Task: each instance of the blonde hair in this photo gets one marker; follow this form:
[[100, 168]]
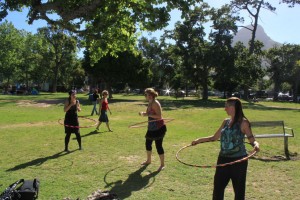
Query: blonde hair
[[151, 92], [104, 92]]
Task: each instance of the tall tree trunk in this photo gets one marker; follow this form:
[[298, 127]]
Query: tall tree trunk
[[54, 85], [252, 42]]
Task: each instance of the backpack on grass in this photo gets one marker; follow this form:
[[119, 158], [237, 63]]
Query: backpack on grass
[[22, 190]]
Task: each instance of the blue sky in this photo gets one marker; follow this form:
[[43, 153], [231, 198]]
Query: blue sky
[[282, 26]]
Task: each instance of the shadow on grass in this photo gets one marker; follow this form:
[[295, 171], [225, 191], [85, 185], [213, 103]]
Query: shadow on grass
[[257, 106], [276, 158], [89, 134], [39, 161], [95, 132], [167, 103], [134, 182]]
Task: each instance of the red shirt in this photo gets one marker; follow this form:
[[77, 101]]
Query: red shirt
[[104, 105]]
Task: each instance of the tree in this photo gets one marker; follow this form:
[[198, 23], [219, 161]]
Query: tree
[[38, 47], [10, 51], [61, 45], [30, 59], [248, 67], [161, 61], [111, 26], [291, 3], [125, 68], [151, 51], [253, 7], [284, 67], [192, 47], [224, 26]]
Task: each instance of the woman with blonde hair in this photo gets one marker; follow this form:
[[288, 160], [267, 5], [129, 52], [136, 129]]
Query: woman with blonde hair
[[156, 127]]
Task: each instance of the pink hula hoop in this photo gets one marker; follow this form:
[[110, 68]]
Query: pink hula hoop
[[145, 123], [253, 152], [61, 123]]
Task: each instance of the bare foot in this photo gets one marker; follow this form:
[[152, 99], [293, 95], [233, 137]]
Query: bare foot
[[160, 168], [146, 163]]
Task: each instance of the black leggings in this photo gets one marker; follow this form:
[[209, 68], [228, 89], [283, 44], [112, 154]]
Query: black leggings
[[236, 172], [158, 145], [67, 139]]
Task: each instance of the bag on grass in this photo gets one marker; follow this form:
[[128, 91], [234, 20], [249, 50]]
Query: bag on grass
[[9, 192], [103, 195], [22, 190], [29, 190], [107, 195]]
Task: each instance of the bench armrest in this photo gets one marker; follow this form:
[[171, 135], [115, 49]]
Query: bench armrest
[[290, 130]]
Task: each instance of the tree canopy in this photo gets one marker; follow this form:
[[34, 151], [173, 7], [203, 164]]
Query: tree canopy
[[109, 26]]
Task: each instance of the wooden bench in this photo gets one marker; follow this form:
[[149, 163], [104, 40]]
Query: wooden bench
[[273, 129]]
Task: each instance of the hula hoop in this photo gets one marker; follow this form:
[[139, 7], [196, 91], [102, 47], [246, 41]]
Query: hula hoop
[[214, 166], [61, 123], [145, 123]]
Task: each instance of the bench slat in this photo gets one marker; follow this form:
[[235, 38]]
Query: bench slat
[[262, 129], [266, 123], [272, 135]]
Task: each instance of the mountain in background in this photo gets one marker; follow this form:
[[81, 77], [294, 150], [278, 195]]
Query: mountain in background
[[244, 35]]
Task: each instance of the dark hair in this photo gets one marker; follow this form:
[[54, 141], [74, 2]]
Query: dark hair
[[72, 92], [239, 114]]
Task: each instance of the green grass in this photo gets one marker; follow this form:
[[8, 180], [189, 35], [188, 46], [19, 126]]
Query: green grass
[[32, 141]]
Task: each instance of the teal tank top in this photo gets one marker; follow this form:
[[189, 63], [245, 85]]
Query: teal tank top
[[232, 141]]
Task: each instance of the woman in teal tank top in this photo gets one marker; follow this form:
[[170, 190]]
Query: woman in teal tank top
[[232, 147]]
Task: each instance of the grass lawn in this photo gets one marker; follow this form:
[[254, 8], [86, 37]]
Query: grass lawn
[[32, 143]]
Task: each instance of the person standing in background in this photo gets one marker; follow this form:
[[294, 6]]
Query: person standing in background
[[95, 101]]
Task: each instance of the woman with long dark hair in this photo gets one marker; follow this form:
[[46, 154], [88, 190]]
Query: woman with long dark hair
[[232, 135], [72, 106]]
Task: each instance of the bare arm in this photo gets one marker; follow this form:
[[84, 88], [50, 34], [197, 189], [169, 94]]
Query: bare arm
[[108, 108], [78, 106], [211, 138], [67, 105], [157, 109], [246, 129]]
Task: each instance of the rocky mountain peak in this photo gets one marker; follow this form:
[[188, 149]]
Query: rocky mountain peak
[[244, 35]]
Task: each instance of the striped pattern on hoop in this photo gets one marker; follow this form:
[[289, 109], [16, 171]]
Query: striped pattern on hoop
[[145, 123], [214, 166], [60, 121]]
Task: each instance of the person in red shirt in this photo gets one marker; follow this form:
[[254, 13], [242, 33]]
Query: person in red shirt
[[103, 108]]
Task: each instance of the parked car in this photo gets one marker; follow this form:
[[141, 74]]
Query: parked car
[[236, 94], [284, 97], [136, 91], [261, 94]]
